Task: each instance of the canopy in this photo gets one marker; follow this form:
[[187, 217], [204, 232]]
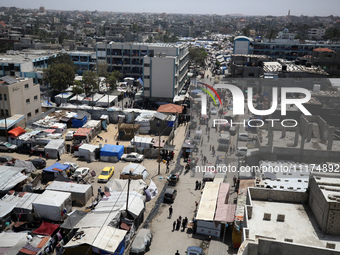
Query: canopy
[[170, 108], [72, 219], [56, 167], [16, 131], [112, 150], [46, 229]]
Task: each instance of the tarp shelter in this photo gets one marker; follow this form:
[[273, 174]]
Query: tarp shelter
[[80, 193], [142, 142], [10, 176], [27, 165], [46, 229], [111, 153], [96, 219], [51, 172], [51, 204], [60, 128], [82, 135], [88, 151], [141, 241], [121, 185], [79, 120], [170, 108], [95, 126], [55, 147], [16, 131], [137, 171], [107, 101], [102, 240], [72, 219]]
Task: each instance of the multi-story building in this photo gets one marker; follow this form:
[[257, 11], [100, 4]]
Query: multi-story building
[[316, 33], [328, 60], [162, 67], [19, 96]]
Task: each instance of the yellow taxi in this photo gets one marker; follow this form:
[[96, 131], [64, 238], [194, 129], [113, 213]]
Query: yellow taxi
[[106, 174]]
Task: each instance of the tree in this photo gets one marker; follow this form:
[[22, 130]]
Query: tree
[[332, 34], [62, 58], [77, 89], [112, 79], [246, 31], [59, 76], [271, 34], [198, 56]]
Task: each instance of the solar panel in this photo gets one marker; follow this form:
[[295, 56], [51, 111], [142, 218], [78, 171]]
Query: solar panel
[[9, 79]]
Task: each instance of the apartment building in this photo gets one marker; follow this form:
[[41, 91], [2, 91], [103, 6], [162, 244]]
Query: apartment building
[[316, 33], [162, 67], [19, 96]]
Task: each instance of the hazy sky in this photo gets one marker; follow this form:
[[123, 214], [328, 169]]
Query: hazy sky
[[247, 7]]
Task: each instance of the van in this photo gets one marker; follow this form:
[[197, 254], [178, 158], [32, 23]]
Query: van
[[223, 141], [169, 195]]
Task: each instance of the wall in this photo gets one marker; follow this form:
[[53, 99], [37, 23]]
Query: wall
[[162, 77], [278, 195]]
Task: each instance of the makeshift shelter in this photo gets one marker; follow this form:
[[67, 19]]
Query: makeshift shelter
[[60, 128], [107, 101], [105, 240], [137, 171], [72, 219], [80, 193], [27, 165], [46, 229], [55, 148], [79, 120], [95, 126], [82, 135], [51, 172], [142, 142], [170, 108], [88, 151], [111, 153], [144, 121], [50, 204], [97, 219], [121, 185], [15, 132], [10, 177], [63, 97], [127, 131], [163, 122]]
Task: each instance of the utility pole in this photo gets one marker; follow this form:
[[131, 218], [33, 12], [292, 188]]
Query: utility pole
[[128, 192], [133, 127], [159, 153], [6, 128]]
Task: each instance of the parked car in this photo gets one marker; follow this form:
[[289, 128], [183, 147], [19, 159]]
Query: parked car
[[241, 151], [169, 195], [194, 250], [132, 157], [243, 137], [173, 179], [142, 242], [5, 159], [106, 174], [5, 146], [81, 172], [73, 166], [38, 163], [213, 111], [69, 135]]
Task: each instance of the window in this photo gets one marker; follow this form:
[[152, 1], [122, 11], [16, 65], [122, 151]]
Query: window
[[28, 101], [146, 76], [35, 98], [36, 111], [5, 97], [2, 112], [0, 96], [29, 115], [7, 113], [26, 86], [147, 65]]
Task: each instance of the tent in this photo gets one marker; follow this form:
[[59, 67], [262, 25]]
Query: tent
[[27, 165], [16, 131], [138, 171], [79, 120], [80, 193], [121, 185], [111, 153], [10, 176], [50, 204], [46, 229], [170, 108], [55, 147], [72, 219], [88, 152], [51, 172]]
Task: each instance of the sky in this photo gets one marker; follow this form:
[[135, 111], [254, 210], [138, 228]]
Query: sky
[[220, 7]]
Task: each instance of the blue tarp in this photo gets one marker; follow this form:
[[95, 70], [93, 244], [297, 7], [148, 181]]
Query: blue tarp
[[77, 123], [111, 150], [56, 166]]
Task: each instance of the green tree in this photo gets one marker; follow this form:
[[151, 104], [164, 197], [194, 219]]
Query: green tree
[[271, 34], [77, 89], [90, 82], [246, 31], [59, 76], [111, 81], [198, 56], [332, 34]]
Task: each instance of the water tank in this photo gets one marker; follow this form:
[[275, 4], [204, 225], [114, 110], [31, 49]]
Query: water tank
[[316, 87]]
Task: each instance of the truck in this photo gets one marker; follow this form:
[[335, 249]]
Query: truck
[[223, 141]]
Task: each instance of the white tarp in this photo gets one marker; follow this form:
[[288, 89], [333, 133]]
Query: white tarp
[[10, 239], [50, 204], [54, 147], [107, 101], [122, 185], [152, 189], [99, 219], [136, 170], [10, 176], [87, 151]]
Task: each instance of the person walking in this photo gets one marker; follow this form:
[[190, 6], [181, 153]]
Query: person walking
[[177, 253], [178, 224], [170, 211], [196, 186], [173, 226], [99, 192], [204, 159], [234, 180]]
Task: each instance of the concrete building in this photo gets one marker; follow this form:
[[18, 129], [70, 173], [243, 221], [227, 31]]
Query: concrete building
[[316, 33], [285, 34], [247, 66], [328, 60], [19, 96], [162, 67]]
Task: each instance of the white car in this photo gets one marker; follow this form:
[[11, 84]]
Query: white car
[[243, 137], [73, 166], [132, 157], [213, 111], [69, 135], [241, 151], [81, 172]]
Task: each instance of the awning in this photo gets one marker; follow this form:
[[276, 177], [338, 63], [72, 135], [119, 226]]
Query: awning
[[16, 131], [46, 229]]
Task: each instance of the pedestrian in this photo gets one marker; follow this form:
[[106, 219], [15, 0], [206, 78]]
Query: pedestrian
[[58, 156], [47, 156], [183, 225], [210, 148], [213, 150], [170, 211], [199, 185], [196, 204], [177, 253], [204, 159], [234, 180], [167, 166], [178, 224], [234, 148], [208, 137], [173, 226], [196, 187], [99, 192]]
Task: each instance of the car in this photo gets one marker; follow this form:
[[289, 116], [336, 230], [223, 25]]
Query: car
[[38, 163], [106, 174], [213, 111], [243, 137], [133, 157], [81, 172], [194, 250], [73, 166], [173, 179], [169, 195], [69, 135], [5, 146], [241, 151], [142, 242], [5, 159]]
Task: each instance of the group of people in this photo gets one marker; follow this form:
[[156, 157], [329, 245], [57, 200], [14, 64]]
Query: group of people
[[176, 225], [199, 185]]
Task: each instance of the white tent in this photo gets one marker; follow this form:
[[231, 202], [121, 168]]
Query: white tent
[[51, 203], [121, 185], [87, 151], [80, 193], [107, 101], [137, 170], [54, 147]]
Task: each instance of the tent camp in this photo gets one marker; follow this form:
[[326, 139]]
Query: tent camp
[[55, 147], [105, 240], [121, 185], [111, 153], [51, 172], [51, 204], [138, 171], [80, 193], [10, 177], [88, 151]]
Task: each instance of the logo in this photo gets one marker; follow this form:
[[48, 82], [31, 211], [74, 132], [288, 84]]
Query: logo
[[204, 97]]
